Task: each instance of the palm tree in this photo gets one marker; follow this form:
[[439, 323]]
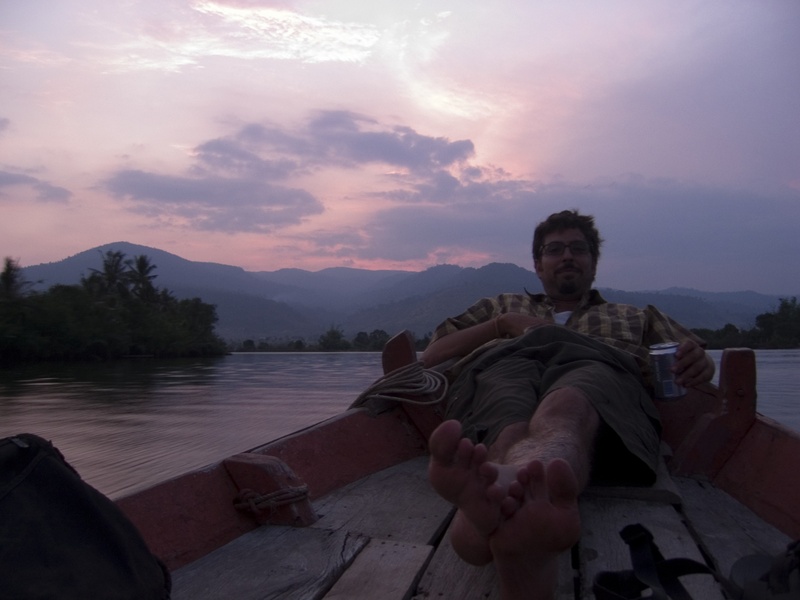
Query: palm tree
[[113, 279], [141, 278], [12, 283]]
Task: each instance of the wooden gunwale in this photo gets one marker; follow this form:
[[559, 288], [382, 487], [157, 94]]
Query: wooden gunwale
[[187, 517]]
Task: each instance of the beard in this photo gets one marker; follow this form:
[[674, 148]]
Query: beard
[[568, 288]]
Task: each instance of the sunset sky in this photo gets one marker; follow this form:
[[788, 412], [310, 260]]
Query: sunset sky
[[387, 134]]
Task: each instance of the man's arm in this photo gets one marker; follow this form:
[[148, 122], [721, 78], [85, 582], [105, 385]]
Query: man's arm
[[693, 365], [462, 342]]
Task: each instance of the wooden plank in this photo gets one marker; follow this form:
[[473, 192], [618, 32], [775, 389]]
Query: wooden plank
[[727, 529], [447, 576], [602, 549], [385, 569], [394, 505], [270, 562], [397, 503]]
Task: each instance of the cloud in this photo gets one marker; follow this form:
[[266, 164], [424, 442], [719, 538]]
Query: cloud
[[45, 192], [184, 35], [657, 230], [214, 203], [268, 32], [238, 183], [467, 185], [225, 155], [432, 203], [345, 139], [347, 135], [4, 124]]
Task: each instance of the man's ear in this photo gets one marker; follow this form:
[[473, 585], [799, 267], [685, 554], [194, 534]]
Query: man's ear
[[537, 265]]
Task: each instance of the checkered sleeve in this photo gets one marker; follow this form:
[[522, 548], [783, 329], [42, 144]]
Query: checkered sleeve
[[483, 310], [662, 328]]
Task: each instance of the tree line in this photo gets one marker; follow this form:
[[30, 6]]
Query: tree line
[[115, 311], [333, 340], [778, 329]]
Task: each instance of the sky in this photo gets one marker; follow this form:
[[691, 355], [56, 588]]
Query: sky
[[401, 135]]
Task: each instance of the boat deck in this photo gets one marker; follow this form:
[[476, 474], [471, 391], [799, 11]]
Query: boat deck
[[385, 536]]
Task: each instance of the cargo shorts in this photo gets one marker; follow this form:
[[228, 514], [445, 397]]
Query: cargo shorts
[[504, 386]]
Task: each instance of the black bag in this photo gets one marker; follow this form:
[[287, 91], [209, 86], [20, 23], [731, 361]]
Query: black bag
[[62, 539]]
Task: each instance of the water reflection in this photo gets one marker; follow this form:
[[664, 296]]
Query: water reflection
[[129, 424]]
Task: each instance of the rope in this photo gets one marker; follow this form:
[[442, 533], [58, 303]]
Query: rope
[[257, 503], [402, 384]]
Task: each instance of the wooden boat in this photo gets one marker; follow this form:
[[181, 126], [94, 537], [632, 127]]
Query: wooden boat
[[344, 510]]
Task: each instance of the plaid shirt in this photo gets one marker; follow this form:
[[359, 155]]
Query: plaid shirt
[[623, 326]]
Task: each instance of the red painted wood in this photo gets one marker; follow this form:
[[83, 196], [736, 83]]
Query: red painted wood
[[720, 436], [346, 448], [185, 518], [720, 421], [398, 352], [763, 474], [681, 417]]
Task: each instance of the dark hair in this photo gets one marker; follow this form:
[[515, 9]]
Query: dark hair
[[567, 219]]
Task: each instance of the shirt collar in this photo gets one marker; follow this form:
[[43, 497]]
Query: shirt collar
[[590, 298]]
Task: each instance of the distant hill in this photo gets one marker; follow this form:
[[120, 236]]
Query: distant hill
[[294, 303]]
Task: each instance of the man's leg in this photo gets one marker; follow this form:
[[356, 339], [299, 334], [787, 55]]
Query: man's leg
[[541, 467]]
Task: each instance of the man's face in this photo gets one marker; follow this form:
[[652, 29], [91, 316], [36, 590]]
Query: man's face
[[566, 276]]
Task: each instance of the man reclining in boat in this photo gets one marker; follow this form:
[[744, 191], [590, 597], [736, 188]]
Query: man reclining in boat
[[552, 393]]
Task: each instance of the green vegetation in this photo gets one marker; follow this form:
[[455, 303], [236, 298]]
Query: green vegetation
[[116, 311], [332, 340], [779, 329]]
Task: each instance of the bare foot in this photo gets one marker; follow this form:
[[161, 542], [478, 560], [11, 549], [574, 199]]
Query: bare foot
[[460, 473], [526, 546]]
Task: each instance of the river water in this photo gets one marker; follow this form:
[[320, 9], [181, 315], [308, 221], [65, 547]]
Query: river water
[[130, 424]]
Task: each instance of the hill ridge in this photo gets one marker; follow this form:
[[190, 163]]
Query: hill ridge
[[294, 303]]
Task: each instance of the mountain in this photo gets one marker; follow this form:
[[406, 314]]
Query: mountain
[[341, 288], [294, 303], [172, 271]]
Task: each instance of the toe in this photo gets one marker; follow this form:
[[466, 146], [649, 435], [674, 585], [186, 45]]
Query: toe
[[444, 440]]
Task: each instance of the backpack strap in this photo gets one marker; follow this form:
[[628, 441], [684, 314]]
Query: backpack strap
[[650, 571]]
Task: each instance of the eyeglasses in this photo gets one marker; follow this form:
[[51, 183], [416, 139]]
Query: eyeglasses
[[557, 248]]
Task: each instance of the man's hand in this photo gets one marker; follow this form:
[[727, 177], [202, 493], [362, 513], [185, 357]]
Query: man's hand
[[514, 324], [692, 365]]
